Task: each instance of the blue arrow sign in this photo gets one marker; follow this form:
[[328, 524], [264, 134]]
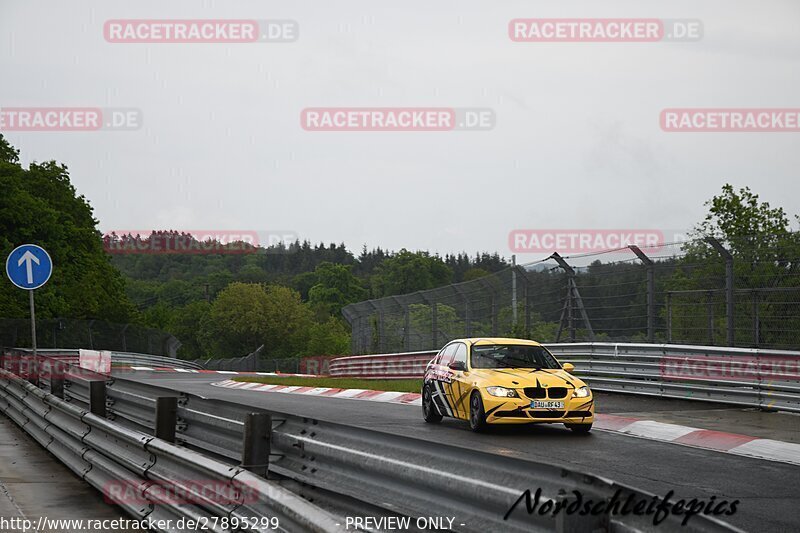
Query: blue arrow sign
[[29, 266]]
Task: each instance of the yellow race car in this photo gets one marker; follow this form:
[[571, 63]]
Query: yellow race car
[[504, 381]]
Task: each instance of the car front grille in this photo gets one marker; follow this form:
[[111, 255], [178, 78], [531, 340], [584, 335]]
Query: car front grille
[[557, 392], [536, 393]]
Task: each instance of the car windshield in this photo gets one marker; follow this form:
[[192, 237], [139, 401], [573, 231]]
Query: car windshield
[[512, 356]]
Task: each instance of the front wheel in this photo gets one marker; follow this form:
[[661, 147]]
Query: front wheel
[[429, 412], [580, 428], [477, 416]]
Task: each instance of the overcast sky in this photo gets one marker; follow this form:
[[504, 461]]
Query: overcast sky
[[577, 141]]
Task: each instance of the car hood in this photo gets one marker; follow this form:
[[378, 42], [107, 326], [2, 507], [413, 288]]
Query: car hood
[[515, 378]]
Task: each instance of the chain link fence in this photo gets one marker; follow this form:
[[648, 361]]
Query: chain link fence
[[702, 291], [66, 333]]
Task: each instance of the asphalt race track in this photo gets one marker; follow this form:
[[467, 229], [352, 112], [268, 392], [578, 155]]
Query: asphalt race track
[[769, 492]]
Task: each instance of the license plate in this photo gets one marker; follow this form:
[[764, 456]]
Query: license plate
[[546, 404]]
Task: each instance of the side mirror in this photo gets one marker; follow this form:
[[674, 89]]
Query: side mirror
[[457, 365], [568, 367]]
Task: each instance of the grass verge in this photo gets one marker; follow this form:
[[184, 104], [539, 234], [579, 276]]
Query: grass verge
[[399, 385]]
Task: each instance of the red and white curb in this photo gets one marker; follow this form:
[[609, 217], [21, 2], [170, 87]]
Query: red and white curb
[[772, 450], [408, 398]]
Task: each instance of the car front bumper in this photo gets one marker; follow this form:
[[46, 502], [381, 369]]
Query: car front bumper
[[501, 410]]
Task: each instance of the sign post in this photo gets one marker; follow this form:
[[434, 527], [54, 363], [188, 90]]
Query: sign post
[[29, 267]]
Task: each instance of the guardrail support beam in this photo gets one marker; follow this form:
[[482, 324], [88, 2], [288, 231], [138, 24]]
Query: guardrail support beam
[[166, 417], [97, 397], [257, 443], [572, 295]]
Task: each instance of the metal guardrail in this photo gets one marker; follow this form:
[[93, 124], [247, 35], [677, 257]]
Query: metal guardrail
[[105, 454], [396, 474], [382, 366], [768, 379], [399, 474], [121, 358]]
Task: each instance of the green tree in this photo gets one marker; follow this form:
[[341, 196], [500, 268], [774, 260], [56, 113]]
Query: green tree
[[331, 337], [409, 272], [40, 205], [475, 273], [244, 316], [187, 323], [765, 253], [335, 287]]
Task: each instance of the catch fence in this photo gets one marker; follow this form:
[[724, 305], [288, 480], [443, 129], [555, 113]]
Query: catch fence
[[743, 292]]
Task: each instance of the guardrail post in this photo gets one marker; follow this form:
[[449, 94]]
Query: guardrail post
[[97, 397], [257, 443], [57, 370], [726, 255], [33, 369], [576, 523], [166, 417]]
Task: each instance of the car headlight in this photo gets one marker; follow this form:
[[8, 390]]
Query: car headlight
[[581, 392], [502, 391]]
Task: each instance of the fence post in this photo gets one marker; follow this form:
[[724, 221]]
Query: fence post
[[407, 329], [710, 314], [725, 254], [669, 316], [97, 397], [526, 299], [493, 309], [435, 323], [573, 297], [381, 331], [570, 308], [514, 292], [651, 292], [756, 325], [166, 417], [467, 317], [257, 443]]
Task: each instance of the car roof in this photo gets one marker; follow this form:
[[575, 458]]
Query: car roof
[[496, 340]]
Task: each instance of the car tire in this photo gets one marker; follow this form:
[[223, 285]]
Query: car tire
[[581, 429], [477, 416], [429, 412]]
